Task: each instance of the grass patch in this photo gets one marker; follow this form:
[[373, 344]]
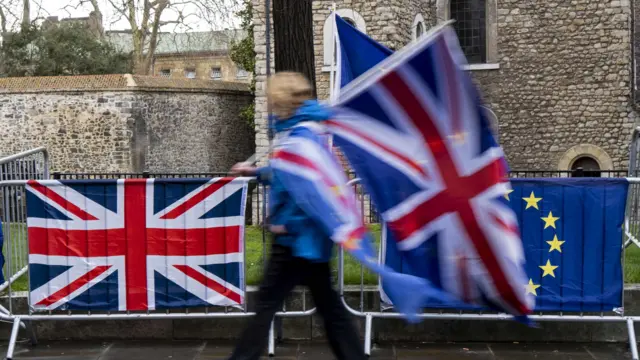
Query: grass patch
[[255, 261], [19, 256], [632, 265]]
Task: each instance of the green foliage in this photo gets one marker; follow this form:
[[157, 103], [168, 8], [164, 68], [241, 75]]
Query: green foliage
[[64, 49], [243, 54]]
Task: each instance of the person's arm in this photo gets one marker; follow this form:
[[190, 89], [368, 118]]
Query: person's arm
[[264, 175]]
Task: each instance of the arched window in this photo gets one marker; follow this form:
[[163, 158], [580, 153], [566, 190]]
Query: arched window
[[350, 16], [418, 28], [476, 25], [585, 166], [585, 160], [471, 27]]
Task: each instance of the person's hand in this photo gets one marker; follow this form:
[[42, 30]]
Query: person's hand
[[278, 229], [243, 169]]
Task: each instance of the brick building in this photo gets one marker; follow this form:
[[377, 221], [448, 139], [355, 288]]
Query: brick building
[[557, 74]]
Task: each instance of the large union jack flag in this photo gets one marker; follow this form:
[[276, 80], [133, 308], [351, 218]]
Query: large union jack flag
[[138, 244], [414, 132]]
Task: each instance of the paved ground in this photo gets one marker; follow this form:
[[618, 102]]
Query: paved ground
[[194, 350]]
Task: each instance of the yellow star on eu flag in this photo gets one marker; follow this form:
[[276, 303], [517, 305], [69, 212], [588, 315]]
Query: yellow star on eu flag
[[531, 288], [548, 269], [532, 201], [555, 244], [550, 220], [506, 195]]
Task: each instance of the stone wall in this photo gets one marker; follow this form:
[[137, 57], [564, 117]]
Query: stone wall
[[560, 80], [83, 131], [195, 132], [635, 36], [141, 124], [564, 82]]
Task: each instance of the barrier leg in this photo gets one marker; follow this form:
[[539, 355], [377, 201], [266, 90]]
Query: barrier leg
[[632, 339], [33, 338], [272, 341], [368, 327], [14, 336]]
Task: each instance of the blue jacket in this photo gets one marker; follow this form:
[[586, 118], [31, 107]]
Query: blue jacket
[[306, 238]]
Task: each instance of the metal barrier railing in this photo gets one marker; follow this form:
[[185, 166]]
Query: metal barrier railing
[[32, 164], [16, 243], [602, 317], [632, 221]]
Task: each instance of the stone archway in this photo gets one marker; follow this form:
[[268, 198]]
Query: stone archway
[[585, 150]]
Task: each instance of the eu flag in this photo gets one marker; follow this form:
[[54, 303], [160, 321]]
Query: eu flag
[[571, 231], [572, 236]]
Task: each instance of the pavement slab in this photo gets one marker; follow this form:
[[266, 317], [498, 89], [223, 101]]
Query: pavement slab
[[209, 350]]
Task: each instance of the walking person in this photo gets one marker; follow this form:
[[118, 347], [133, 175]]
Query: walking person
[[301, 248]]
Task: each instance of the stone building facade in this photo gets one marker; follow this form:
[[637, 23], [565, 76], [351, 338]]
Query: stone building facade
[[125, 123], [558, 75], [203, 66], [193, 55]]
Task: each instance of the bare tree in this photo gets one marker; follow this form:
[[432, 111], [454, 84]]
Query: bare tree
[[7, 14], [147, 18], [26, 14], [3, 21]]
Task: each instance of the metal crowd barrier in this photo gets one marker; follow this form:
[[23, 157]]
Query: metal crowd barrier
[[437, 314], [16, 245], [15, 170], [632, 224], [32, 164]]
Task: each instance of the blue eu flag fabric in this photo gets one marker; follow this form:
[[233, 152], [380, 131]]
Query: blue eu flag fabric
[[572, 236]]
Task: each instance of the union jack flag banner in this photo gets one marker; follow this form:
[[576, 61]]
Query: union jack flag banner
[[414, 131], [304, 164], [139, 244]]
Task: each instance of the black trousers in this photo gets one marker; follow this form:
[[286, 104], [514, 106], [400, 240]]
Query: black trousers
[[284, 273]]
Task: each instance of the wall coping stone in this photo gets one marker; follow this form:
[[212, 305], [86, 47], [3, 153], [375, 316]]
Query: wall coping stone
[[116, 82]]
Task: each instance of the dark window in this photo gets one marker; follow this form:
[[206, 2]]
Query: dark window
[[350, 21], [585, 167], [471, 27], [419, 30], [216, 73]]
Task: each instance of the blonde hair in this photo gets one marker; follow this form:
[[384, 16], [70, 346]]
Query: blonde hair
[[286, 91]]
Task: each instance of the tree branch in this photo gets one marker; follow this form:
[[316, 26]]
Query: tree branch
[[3, 22], [26, 14]]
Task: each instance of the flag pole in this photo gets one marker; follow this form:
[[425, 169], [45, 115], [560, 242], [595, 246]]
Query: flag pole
[[332, 72], [333, 81], [335, 64]]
